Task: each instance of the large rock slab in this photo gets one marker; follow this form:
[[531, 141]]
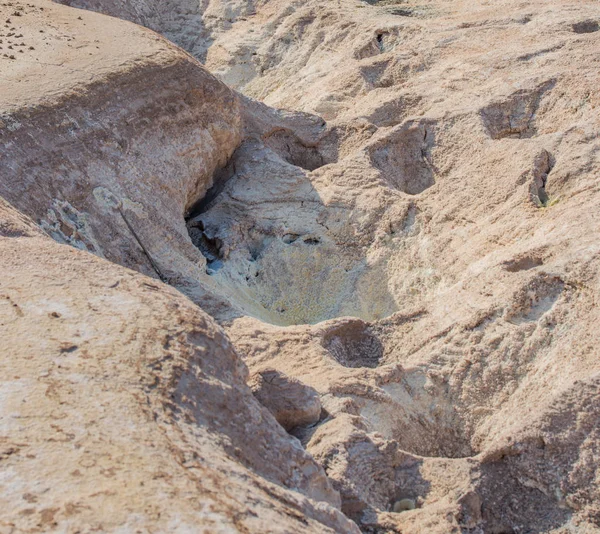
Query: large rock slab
[[124, 407], [110, 134]]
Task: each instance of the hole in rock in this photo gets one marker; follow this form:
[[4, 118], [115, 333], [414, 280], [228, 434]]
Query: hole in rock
[[403, 158], [209, 246], [377, 45], [523, 263], [288, 239], [586, 26], [420, 415], [515, 116], [542, 195], [292, 150], [351, 344]]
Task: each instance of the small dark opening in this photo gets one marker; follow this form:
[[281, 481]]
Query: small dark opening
[[586, 26]]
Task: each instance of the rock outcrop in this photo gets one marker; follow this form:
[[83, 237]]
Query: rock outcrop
[[124, 407], [118, 142], [291, 402], [397, 212]]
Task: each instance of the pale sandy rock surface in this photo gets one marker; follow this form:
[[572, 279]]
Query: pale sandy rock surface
[[121, 121], [398, 210], [125, 408]]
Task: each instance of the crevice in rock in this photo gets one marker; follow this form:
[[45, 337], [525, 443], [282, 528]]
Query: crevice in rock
[[220, 179], [410, 221], [288, 239], [152, 261], [382, 42], [542, 167], [209, 245]]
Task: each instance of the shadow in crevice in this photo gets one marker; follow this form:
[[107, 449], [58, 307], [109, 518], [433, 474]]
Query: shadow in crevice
[[220, 179]]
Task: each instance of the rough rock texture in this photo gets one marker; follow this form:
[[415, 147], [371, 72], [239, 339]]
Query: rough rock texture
[[117, 142], [415, 236], [124, 407]]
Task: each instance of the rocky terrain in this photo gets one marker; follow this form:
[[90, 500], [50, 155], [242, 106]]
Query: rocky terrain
[[337, 266]]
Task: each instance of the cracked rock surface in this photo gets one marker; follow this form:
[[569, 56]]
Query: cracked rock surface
[[382, 222]]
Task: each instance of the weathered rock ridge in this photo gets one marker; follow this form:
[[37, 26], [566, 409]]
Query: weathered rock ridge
[[396, 213], [124, 405]]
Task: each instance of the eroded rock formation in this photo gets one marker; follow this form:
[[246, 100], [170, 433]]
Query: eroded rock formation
[[392, 214]]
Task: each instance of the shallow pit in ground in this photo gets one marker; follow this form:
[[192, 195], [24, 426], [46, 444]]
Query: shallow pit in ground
[[292, 150], [352, 344], [403, 157], [420, 416], [516, 115], [586, 26], [276, 251], [291, 277]]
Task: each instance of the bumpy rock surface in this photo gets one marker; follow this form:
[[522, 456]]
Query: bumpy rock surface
[[397, 209], [124, 406], [118, 140]]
